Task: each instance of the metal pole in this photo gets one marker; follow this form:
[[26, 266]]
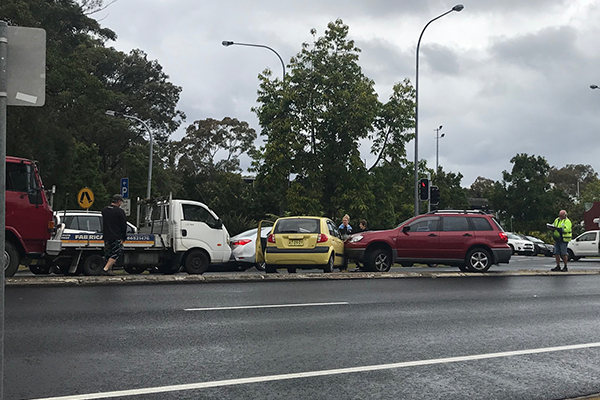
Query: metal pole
[[227, 43], [458, 7], [437, 148], [3, 106]]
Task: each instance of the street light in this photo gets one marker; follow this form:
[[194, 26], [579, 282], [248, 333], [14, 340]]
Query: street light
[[228, 43], [437, 146], [456, 8], [112, 113], [594, 87]]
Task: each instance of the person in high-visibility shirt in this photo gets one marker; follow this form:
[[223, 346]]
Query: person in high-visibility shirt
[[563, 231]]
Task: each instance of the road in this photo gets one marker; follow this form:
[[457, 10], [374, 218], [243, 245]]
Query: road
[[401, 338]]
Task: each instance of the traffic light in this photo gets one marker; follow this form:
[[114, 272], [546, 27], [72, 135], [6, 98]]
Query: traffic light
[[435, 195], [424, 189]]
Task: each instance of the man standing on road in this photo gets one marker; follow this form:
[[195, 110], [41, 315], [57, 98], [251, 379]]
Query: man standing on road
[[114, 227], [562, 228]]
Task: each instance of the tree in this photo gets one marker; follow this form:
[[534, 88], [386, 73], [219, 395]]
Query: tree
[[481, 188], [573, 179]]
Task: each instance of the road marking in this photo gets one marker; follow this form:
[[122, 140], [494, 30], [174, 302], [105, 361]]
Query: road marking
[[268, 306], [310, 374]]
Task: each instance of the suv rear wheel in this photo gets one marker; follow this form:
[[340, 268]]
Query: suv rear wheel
[[478, 260], [379, 260]]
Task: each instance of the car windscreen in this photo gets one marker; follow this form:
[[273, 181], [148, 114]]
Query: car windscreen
[[297, 225]]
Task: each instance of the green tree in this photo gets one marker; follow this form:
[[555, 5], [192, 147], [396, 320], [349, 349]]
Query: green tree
[[572, 178]]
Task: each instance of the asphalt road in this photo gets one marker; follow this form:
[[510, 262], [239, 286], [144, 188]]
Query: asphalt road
[[405, 338]]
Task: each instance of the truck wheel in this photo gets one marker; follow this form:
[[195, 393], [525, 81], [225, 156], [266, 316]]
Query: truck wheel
[[39, 269], [196, 262], [135, 269], [93, 264], [13, 259], [379, 260]]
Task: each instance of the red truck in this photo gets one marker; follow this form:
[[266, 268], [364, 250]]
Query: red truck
[[29, 221]]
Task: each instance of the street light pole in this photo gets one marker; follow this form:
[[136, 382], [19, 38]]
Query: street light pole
[[594, 87], [228, 43], [112, 113], [437, 147], [456, 8]]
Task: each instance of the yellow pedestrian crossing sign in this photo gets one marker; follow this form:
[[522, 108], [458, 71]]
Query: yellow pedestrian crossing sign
[[85, 198]]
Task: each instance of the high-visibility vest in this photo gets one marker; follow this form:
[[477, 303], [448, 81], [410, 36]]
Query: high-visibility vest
[[567, 233]]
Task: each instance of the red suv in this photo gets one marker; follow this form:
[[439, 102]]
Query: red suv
[[470, 240]]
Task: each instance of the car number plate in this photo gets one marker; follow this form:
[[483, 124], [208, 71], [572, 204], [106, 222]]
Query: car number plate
[[296, 242]]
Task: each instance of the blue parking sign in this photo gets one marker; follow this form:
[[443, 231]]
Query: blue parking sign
[[125, 188]]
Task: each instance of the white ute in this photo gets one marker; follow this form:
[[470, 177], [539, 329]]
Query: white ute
[[174, 234]]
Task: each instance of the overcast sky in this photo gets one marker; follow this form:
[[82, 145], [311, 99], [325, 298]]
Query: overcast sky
[[502, 76]]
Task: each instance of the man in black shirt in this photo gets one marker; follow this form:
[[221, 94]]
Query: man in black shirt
[[114, 227]]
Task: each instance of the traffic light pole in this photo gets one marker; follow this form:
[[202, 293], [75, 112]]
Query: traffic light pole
[[429, 193]]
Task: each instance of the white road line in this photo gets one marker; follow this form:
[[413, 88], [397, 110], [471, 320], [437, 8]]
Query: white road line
[[268, 306], [310, 374]]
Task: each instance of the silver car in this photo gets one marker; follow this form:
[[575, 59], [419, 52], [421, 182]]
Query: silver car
[[243, 248]]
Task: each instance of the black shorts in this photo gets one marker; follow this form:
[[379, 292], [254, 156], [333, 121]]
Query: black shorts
[[113, 249]]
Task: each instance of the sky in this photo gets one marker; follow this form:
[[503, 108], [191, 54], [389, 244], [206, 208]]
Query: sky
[[502, 77]]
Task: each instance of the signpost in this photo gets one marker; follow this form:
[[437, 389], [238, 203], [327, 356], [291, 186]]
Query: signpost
[[125, 188]]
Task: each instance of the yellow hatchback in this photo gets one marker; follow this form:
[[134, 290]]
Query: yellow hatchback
[[302, 242]]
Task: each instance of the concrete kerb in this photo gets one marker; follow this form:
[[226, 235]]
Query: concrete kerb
[[145, 279]]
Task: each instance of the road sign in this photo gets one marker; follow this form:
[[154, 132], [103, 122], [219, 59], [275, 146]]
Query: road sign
[[125, 188], [85, 198], [126, 206], [26, 66]]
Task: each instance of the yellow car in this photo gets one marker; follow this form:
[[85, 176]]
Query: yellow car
[[302, 242]]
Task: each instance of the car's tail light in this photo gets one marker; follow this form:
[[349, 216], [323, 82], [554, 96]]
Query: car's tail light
[[271, 238], [322, 238], [240, 242], [503, 236]]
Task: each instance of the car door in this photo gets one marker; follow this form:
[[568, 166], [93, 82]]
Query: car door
[[455, 237], [586, 245], [200, 228], [337, 242], [419, 239], [261, 241]]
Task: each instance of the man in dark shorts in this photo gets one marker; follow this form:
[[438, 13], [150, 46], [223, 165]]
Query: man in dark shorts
[[114, 227]]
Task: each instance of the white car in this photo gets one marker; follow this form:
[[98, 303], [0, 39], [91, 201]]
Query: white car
[[520, 245], [584, 245], [243, 248]]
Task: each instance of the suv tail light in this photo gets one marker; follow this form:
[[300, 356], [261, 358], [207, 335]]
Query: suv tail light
[[240, 242], [271, 238], [503, 236], [322, 238]]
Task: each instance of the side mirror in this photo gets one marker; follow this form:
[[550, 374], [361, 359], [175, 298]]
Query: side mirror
[[405, 229], [219, 224]]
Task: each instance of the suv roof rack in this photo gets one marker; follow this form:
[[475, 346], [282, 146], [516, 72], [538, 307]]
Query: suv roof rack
[[458, 212]]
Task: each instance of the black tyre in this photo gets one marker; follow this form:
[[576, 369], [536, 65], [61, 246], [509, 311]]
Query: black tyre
[[463, 268], [93, 264], [512, 249], [168, 267], [379, 260], [407, 264], [572, 255], [135, 269], [260, 266], [270, 269], [291, 270], [330, 265], [39, 269], [13, 259], [196, 262], [478, 260]]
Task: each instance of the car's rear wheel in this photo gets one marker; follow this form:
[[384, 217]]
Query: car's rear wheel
[[330, 265], [478, 260], [379, 260], [270, 269]]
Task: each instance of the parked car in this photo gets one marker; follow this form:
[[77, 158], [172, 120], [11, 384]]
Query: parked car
[[78, 221], [471, 240], [302, 242], [519, 245], [584, 245], [539, 246], [243, 248]]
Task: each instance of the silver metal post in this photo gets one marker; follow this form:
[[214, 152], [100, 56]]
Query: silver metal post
[[228, 43], [3, 107]]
